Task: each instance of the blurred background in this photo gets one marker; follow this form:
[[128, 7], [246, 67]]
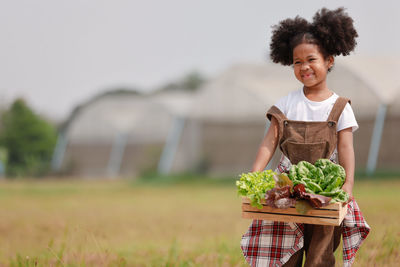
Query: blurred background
[[108, 104]]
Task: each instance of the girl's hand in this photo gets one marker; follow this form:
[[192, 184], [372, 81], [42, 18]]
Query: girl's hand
[[349, 190]]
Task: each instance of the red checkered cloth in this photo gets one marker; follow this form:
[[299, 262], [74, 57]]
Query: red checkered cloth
[[269, 243]]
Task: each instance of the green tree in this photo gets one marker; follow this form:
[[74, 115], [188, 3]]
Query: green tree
[[28, 139], [190, 82]]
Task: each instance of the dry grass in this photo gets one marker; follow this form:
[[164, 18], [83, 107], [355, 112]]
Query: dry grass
[[118, 223]]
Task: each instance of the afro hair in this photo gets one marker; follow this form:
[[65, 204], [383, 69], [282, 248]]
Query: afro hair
[[332, 30]]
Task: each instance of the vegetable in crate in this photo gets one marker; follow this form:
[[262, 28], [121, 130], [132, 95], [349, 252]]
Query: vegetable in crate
[[280, 197], [324, 178], [254, 185], [316, 201]]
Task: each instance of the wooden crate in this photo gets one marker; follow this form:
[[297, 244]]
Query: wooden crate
[[333, 214]]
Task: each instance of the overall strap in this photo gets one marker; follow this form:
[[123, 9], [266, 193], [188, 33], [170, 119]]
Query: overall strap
[[277, 113], [279, 116], [338, 108]]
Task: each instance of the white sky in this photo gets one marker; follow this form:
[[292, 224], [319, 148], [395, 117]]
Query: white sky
[[56, 54]]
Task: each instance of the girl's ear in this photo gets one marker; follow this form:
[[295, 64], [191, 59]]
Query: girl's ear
[[330, 60]]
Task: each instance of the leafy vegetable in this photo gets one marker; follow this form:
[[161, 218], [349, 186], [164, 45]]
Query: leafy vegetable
[[323, 178], [254, 185], [283, 180], [280, 197], [315, 200], [302, 206]]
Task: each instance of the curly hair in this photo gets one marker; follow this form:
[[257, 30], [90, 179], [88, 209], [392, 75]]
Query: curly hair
[[331, 30]]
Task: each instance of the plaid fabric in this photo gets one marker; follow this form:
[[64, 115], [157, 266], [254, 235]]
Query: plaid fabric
[[354, 231], [268, 243]]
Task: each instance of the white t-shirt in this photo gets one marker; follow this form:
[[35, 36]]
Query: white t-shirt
[[296, 106]]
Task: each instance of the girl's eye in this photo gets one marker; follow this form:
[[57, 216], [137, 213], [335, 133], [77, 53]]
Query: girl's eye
[[312, 59], [297, 62]]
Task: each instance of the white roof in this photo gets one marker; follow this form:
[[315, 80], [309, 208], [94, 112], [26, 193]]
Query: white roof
[[394, 108], [144, 118], [246, 91], [381, 73], [176, 102], [243, 92]]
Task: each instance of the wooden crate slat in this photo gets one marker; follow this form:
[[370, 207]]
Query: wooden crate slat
[[292, 210], [332, 214], [333, 206]]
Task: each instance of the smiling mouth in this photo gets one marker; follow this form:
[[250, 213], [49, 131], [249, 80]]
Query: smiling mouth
[[308, 75]]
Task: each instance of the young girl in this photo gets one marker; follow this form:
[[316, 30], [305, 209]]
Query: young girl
[[310, 123]]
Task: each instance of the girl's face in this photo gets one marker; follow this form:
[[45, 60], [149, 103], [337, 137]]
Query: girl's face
[[310, 66]]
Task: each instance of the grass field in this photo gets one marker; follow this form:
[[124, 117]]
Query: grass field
[[125, 223]]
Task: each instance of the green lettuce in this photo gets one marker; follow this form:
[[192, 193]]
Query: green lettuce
[[254, 185], [324, 178]]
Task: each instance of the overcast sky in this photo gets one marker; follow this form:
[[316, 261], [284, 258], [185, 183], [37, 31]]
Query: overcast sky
[[57, 54]]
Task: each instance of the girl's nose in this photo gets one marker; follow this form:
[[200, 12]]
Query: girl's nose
[[305, 66]]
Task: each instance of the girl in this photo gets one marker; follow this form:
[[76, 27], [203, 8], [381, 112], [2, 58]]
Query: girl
[[310, 123]]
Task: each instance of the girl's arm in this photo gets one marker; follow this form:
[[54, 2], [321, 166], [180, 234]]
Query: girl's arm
[[267, 147], [346, 158]]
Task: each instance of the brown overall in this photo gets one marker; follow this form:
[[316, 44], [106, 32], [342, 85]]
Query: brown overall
[[310, 141]]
